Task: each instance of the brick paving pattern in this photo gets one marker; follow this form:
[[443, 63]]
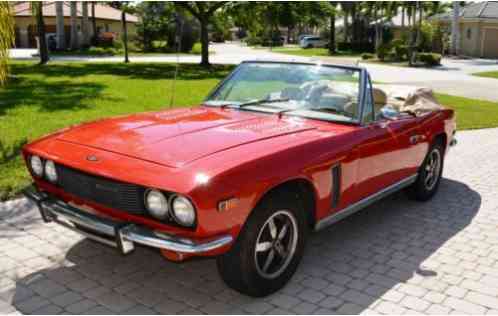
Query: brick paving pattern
[[396, 257]]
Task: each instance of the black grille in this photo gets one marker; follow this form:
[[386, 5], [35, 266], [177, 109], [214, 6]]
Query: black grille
[[118, 195]]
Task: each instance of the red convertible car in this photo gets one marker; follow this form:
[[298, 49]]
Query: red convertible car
[[276, 151]]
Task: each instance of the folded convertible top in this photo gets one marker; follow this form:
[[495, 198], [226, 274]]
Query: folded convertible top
[[419, 100]]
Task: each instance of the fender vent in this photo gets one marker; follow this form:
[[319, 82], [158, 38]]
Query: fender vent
[[336, 185]]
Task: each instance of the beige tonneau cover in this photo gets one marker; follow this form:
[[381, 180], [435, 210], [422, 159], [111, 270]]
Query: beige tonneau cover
[[418, 100]]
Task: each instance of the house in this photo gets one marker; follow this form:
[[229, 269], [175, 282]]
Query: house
[[107, 20], [478, 25]]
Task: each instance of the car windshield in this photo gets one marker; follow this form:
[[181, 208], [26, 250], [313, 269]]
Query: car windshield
[[315, 91]]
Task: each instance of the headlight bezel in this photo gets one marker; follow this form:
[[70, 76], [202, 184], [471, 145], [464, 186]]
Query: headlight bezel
[[150, 212], [47, 163], [191, 224], [42, 164]]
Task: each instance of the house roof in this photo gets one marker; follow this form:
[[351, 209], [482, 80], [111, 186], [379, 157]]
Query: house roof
[[477, 10], [101, 11]]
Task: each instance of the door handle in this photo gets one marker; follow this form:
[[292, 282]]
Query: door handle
[[414, 139]]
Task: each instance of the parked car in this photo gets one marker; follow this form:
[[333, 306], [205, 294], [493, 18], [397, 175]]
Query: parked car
[[276, 151], [312, 42]]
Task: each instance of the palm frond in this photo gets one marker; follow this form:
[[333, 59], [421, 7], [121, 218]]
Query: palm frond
[[6, 39]]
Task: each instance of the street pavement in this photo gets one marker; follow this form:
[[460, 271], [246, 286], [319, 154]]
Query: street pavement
[[395, 257], [454, 77]]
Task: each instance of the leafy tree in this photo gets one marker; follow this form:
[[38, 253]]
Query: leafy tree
[[6, 39], [202, 11], [156, 23]]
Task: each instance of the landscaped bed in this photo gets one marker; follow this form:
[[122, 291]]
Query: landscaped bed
[[42, 99]]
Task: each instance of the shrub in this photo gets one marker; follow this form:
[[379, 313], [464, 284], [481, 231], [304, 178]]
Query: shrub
[[197, 48], [253, 41], [429, 59], [383, 51], [366, 56]]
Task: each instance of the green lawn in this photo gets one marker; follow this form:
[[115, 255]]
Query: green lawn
[[470, 113], [488, 74], [42, 99], [309, 52]]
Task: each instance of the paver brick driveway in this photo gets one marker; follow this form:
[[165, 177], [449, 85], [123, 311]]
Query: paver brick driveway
[[397, 256]]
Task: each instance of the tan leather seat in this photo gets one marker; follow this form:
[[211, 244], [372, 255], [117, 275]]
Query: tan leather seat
[[379, 98]]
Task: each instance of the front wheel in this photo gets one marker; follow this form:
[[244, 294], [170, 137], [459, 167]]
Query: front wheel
[[429, 175], [269, 248]]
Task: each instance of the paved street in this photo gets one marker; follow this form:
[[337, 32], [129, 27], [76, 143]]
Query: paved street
[[453, 78], [396, 257]]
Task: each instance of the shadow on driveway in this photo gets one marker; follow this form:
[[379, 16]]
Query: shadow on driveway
[[346, 268]]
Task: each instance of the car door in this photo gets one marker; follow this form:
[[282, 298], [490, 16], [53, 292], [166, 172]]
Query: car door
[[385, 149]]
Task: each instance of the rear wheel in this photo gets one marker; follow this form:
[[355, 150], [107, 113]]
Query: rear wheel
[[429, 175], [268, 249]]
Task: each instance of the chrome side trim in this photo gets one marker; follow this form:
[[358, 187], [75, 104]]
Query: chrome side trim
[[121, 235], [358, 206]]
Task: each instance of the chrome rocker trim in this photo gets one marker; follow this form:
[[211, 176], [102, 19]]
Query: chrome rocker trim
[[358, 206], [121, 235]]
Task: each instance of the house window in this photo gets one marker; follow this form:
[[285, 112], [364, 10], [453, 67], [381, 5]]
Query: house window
[[469, 33], [107, 27]]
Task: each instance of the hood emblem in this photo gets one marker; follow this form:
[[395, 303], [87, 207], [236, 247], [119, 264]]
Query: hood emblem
[[92, 158]]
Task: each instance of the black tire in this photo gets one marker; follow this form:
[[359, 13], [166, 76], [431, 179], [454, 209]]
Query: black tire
[[309, 46], [421, 190], [239, 268]]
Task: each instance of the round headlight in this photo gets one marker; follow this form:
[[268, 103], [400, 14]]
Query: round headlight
[[183, 211], [50, 171], [156, 204], [36, 165]]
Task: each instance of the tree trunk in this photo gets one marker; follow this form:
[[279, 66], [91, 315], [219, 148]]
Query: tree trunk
[[125, 36], [345, 26], [403, 18], [455, 29], [74, 30], [84, 24], [43, 49], [204, 42], [94, 25], [332, 33], [59, 23]]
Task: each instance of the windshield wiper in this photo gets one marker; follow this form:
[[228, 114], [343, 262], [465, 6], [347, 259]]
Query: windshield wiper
[[262, 101]]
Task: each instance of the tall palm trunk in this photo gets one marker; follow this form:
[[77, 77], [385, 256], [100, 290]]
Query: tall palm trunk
[[94, 25], [125, 35], [42, 40], [74, 30], [332, 32], [59, 24], [84, 24], [455, 29]]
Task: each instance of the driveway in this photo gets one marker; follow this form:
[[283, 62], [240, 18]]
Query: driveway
[[396, 257], [453, 78]]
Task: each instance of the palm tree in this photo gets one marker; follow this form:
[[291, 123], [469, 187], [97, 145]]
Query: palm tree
[[37, 8], [59, 23], [455, 32], [84, 23], [123, 6], [332, 46], [74, 30], [94, 25], [7, 38], [346, 8]]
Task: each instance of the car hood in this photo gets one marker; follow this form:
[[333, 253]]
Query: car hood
[[177, 137]]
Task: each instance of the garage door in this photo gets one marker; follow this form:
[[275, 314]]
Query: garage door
[[490, 47]]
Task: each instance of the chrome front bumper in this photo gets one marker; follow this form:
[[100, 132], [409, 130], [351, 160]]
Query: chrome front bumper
[[121, 235]]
